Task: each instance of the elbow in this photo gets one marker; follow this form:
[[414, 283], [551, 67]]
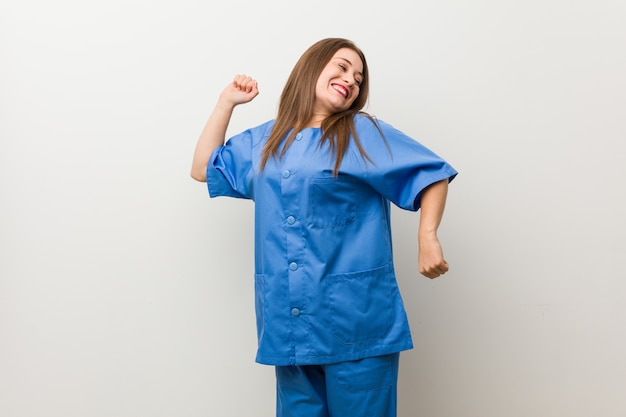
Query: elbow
[[198, 175]]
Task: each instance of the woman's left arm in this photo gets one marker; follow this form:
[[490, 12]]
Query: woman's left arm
[[430, 257]]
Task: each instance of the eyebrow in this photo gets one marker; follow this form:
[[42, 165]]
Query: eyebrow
[[348, 61]]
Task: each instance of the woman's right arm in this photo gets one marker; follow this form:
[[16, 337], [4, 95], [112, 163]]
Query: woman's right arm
[[243, 89]]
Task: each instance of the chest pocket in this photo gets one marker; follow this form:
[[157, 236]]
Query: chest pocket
[[332, 202]]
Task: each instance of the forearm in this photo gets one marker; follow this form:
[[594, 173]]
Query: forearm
[[213, 135], [242, 90], [433, 202]]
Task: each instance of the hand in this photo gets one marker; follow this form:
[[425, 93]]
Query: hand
[[430, 258], [243, 89]]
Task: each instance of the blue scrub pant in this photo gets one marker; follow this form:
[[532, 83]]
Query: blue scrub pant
[[362, 388]]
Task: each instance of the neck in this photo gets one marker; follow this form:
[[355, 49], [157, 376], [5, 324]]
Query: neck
[[315, 121]]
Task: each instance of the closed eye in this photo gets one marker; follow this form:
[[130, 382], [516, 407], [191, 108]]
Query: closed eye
[[344, 68]]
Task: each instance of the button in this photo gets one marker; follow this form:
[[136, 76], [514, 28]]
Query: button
[[291, 220], [293, 266], [286, 173], [295, 312], [299, 136]]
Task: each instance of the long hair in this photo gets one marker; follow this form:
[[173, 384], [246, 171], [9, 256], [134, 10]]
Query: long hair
[[297, 101]]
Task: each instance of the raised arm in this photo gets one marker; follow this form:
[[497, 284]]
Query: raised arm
[[242, 90], [430, 257]]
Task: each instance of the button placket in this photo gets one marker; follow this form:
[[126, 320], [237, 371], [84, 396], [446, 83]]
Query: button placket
[[291, 193]]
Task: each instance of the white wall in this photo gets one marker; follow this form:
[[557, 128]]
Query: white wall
[[126, 292]]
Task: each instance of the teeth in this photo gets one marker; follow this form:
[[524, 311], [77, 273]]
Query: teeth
[[341, 90]]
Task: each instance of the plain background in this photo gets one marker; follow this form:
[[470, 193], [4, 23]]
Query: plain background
[[126, 292]]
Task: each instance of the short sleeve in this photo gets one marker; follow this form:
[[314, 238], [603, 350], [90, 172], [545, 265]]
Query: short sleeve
[[402, 167], [229, 169]]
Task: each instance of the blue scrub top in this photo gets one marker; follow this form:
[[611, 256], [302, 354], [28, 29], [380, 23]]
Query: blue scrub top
[[325, 287]]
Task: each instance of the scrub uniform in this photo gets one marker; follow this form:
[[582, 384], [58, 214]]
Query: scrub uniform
[[325, 287]]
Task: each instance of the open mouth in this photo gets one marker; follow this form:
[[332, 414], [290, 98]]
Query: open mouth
[[341, 90]]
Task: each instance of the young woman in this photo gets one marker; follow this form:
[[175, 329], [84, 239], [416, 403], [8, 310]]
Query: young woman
[[322, 175]]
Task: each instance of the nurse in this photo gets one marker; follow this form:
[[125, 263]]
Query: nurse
[[323, 174]]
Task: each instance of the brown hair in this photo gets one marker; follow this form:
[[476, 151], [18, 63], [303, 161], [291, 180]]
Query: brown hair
[[295, 108]]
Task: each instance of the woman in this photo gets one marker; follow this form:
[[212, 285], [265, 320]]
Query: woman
[[330, 317]]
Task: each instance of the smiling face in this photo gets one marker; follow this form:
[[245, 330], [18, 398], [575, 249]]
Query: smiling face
[[338, 85]]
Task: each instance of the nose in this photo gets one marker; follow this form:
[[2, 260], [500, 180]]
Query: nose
[[350, 81]]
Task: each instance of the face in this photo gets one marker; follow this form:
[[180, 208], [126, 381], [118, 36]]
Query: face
[[338, 85]]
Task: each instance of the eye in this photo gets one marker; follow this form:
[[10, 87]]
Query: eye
[[358, 81], [343, 67]]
